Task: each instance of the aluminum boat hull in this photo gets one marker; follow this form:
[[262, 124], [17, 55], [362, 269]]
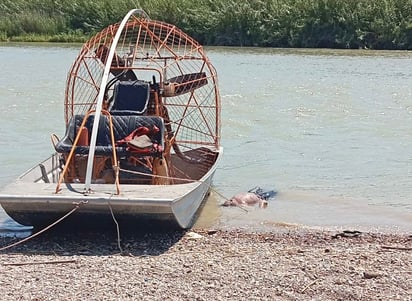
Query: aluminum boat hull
[[32, 202]]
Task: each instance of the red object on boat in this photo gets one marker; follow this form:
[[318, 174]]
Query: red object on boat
[[84, 137]]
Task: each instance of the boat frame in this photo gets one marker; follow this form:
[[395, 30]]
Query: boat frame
[[182, 100]]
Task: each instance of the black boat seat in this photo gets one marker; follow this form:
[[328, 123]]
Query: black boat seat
[[123, 126], [130, 98]]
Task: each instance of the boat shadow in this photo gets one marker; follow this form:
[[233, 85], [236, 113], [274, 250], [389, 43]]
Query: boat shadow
[[145, 240]]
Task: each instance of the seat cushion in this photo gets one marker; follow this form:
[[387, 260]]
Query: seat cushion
[[123, 126]]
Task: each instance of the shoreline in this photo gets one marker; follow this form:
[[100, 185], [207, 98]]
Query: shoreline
[[296, 212], [208, 264]]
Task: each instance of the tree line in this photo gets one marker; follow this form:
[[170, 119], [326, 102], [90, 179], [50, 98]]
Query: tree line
[[384, 24]]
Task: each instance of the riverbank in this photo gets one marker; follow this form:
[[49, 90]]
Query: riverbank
[[281, 23], [209, 265]]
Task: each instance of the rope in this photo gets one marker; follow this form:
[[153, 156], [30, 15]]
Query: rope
[[117, 227], [226, 199], [181, 179], [221, 195], [157, 176], [46, 228]]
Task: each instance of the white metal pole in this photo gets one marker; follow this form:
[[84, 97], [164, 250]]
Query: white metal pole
[[100, 97]]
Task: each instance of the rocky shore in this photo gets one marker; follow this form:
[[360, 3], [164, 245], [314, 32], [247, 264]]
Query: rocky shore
[[209, 265]]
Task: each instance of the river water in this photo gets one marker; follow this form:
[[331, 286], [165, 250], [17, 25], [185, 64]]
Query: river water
[[329, 130]]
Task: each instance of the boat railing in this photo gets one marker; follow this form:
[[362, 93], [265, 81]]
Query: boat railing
[[136, 142], [80, 135]]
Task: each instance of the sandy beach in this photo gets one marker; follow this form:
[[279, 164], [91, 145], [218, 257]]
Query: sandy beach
[[208, 264]]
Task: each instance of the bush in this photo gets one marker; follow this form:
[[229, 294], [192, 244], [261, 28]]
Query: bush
[[385, 24]]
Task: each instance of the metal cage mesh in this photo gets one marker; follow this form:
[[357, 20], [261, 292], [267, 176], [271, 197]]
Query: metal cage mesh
[[161, 54]]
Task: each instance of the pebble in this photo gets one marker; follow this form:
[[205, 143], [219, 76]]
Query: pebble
[[228, 265]]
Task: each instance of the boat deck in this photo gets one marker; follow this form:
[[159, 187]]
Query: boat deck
[[132, 194]]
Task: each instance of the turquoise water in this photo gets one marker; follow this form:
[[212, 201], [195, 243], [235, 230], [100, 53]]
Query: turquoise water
[[329, 130]]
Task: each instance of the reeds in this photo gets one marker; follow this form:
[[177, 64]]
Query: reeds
[[385, 24]]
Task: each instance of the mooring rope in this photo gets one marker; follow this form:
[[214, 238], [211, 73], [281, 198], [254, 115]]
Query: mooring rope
[[117, 227], [226, 199], [158, 176], [77, 206], [181, 179]]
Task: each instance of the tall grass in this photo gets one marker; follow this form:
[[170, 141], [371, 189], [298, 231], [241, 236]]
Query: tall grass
[[385, 24]]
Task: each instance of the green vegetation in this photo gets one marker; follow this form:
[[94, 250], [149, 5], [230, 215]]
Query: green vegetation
[[385, 24]]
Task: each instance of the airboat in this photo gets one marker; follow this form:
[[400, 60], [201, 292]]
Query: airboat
[[142, 132]]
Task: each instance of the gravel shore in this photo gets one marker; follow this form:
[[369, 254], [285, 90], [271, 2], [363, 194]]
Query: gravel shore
[[209, 265]]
